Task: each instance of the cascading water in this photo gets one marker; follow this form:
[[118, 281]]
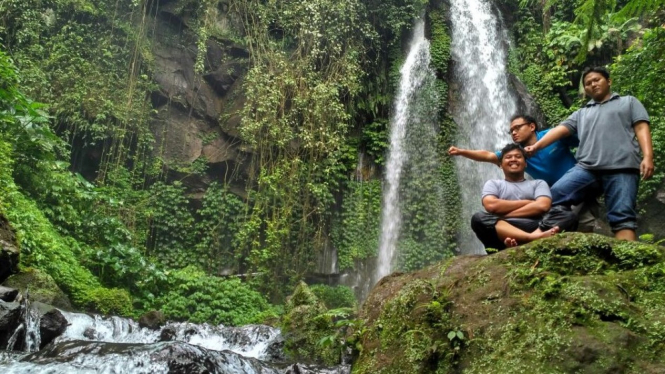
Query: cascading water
[[484, 100], [95, 344], [412, 165]]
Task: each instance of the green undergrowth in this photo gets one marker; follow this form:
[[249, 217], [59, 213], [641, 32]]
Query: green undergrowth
[[574, 303], [314, 332]]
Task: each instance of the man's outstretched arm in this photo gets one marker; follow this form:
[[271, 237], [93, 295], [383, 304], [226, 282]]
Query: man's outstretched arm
[[501, 207], [475, 155], [535, 208], [549, 138]]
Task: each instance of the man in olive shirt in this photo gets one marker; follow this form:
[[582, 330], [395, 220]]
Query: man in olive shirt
[[612, 129]]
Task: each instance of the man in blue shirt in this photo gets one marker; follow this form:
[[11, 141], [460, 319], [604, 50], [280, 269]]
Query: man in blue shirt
[[550, 164]]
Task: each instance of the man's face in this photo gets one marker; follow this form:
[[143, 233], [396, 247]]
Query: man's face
[[596, 86], [521, 130], [513, 162]]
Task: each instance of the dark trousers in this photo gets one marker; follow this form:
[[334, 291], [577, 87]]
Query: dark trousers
[[484, 224]]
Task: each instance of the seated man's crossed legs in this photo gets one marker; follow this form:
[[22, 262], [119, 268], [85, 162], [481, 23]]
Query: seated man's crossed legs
[[499, 233]]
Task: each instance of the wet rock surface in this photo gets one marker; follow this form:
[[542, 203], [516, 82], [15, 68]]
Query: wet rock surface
[[8, 294], [52, 324], [165, 357], [9, 317]]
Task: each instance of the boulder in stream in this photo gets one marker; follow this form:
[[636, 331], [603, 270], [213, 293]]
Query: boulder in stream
[[51, 325], [152, 320]]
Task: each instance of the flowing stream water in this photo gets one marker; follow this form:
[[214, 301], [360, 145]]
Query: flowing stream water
[[484, 99], [114, 345]]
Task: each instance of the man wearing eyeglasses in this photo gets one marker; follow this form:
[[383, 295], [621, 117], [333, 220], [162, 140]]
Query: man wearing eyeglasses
[[549, 165], [613, 129]]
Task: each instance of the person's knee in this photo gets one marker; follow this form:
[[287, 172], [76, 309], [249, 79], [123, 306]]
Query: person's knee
[[560, 216], [483, 220]]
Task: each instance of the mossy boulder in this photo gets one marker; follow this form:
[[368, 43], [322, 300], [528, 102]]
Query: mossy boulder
[[42, 288], [574, 303]]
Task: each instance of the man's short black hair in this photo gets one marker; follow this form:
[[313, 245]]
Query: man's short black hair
[[525, 117], [510, 147], [596, 69]]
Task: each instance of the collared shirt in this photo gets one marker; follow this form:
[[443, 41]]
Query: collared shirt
[[553, 161], [606, 133]]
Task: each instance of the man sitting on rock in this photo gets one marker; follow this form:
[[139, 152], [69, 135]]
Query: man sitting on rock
[[518, 210]]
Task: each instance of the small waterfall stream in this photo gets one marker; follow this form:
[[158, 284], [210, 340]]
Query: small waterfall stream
[[485, 101]]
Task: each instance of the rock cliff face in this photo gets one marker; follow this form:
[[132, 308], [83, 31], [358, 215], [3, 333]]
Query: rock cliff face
[[575, 303], [196, 113]]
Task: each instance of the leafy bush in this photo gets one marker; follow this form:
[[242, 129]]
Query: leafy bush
[[334, 297], [194, 296]]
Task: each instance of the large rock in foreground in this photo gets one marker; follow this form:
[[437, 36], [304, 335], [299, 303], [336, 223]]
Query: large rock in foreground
[[575, 303]]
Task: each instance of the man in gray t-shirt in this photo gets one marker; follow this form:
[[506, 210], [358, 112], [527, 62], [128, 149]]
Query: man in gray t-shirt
[[612, 130], [517, 210]]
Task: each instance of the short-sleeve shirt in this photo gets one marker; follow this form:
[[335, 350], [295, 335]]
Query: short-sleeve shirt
[[524, 190], [553, 161], [606, 133]]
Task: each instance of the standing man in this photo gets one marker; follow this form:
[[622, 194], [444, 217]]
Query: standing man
[[549, 165], [517, 210], [612, 129]]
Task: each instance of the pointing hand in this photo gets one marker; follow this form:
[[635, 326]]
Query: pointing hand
[[453, 151]]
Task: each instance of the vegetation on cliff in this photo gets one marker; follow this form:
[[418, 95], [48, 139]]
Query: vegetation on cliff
[[99, 205]]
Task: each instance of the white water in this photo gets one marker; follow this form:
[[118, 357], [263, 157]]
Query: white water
[[414, 72], [249, 341], [113, 345], [485, 101]]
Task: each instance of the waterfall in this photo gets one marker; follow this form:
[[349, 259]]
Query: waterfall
[[411, 185], [485, 101]]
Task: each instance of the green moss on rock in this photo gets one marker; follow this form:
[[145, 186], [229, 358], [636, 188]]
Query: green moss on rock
[[574, 303], [41, 286]]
